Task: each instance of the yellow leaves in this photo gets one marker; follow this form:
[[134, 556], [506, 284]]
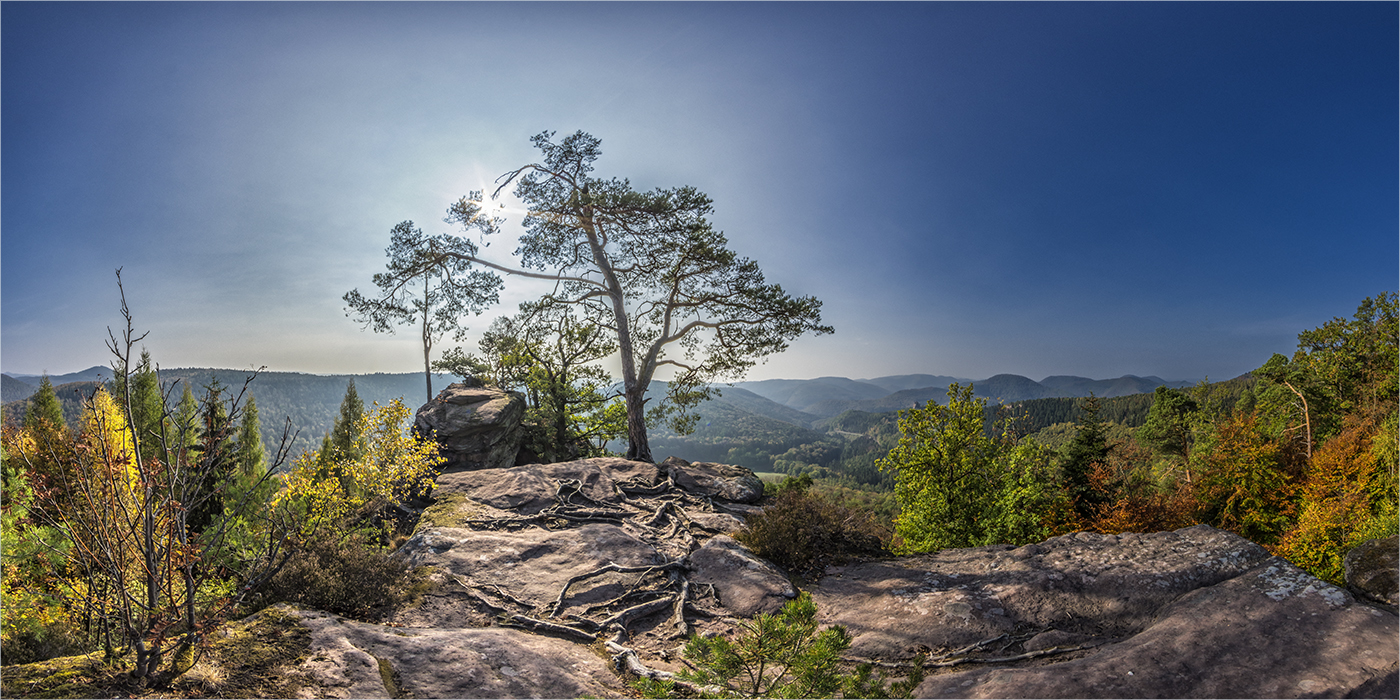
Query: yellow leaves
[[105, 431], [391, 464]]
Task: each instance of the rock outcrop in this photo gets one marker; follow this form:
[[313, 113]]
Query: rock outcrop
[[1194, 613], [577, 547], [476, 427], [532, 567], [1373, 571]]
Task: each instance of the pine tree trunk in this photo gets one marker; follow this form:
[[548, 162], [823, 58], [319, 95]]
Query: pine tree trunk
[[637, 448]]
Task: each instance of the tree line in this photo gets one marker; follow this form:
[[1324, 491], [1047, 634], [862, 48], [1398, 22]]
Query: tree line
[[1302, 459], [137, 531]]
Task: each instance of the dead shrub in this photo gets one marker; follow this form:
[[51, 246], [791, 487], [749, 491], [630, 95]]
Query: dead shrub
[[353, 577]]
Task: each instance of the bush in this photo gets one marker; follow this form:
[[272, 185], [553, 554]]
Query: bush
[[353, 577], [804, 533]]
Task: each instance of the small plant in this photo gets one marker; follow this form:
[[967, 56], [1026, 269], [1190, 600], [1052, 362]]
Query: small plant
[[776, 656]]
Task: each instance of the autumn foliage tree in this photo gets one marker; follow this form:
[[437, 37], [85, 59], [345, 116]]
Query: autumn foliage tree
[[137, 527]]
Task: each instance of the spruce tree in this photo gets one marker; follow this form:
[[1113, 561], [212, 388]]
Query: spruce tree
[[217, 457], [147, 405], [44, 408], [252, 458], [1088, 448], [186, 421], [342, 437]]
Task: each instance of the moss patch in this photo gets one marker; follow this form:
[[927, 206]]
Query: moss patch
[[256, 653], [449, 510], [85, 676]]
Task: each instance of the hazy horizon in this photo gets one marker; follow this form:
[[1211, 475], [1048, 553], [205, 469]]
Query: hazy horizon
[[1089, 189]]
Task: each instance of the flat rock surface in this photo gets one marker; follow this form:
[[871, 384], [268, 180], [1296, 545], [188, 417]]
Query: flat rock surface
[[358, 660], [1194, 613]]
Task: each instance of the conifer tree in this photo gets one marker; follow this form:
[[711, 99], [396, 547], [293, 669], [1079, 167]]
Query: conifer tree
[[1087, 450], [44, 407], [186, 420], [252, 457], [217, 456], [147, 404], [342, 437]]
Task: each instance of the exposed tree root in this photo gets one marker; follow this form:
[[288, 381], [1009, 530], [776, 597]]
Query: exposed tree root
[[535, 625]]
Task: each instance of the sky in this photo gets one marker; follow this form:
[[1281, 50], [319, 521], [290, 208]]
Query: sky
[[1093, 189]]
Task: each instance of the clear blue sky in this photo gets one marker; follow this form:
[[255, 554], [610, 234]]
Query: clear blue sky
[[1096, 189]]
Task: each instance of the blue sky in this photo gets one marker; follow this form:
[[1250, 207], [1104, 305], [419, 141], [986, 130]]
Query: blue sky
[[1096, 189]]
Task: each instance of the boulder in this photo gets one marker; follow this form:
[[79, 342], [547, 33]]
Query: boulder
[[726, 482], [476, 427], [745, 584], [1194, 613], [1371, 571]]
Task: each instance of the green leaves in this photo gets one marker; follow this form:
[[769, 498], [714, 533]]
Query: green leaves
[[958, 486], [776, 656]]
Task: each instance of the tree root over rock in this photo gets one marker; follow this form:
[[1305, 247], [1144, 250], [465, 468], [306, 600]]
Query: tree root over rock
[[965, 655], [655, 514]]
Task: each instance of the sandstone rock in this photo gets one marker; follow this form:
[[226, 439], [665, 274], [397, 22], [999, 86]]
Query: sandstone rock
[[1194, 613], [746, 584], [1371, 571], [531, 488], [358, 660], [1273, 632], [531, 564], [723, 481], [476, 427]]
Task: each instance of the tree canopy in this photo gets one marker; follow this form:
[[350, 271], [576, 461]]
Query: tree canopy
[[441, 267], [647, 266]]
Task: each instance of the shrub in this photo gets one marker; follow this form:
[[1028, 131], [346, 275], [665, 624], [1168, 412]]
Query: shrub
[[353, 577], [804, 533]]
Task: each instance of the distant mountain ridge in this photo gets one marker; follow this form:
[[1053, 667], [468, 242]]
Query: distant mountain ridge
[[829, 396]]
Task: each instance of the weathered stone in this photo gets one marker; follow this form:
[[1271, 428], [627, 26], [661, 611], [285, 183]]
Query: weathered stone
[[475, 427], [1194, 613], [531, 488], [724, 481], [1273, 632], [530, 564], [1372, 571], [1084, 583], [358, 660], [746, 584]]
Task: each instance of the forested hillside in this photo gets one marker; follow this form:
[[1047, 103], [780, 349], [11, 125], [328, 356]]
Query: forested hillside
[[310, 401]]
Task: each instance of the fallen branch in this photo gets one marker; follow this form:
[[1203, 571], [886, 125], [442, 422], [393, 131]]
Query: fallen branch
[[626, 659]]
